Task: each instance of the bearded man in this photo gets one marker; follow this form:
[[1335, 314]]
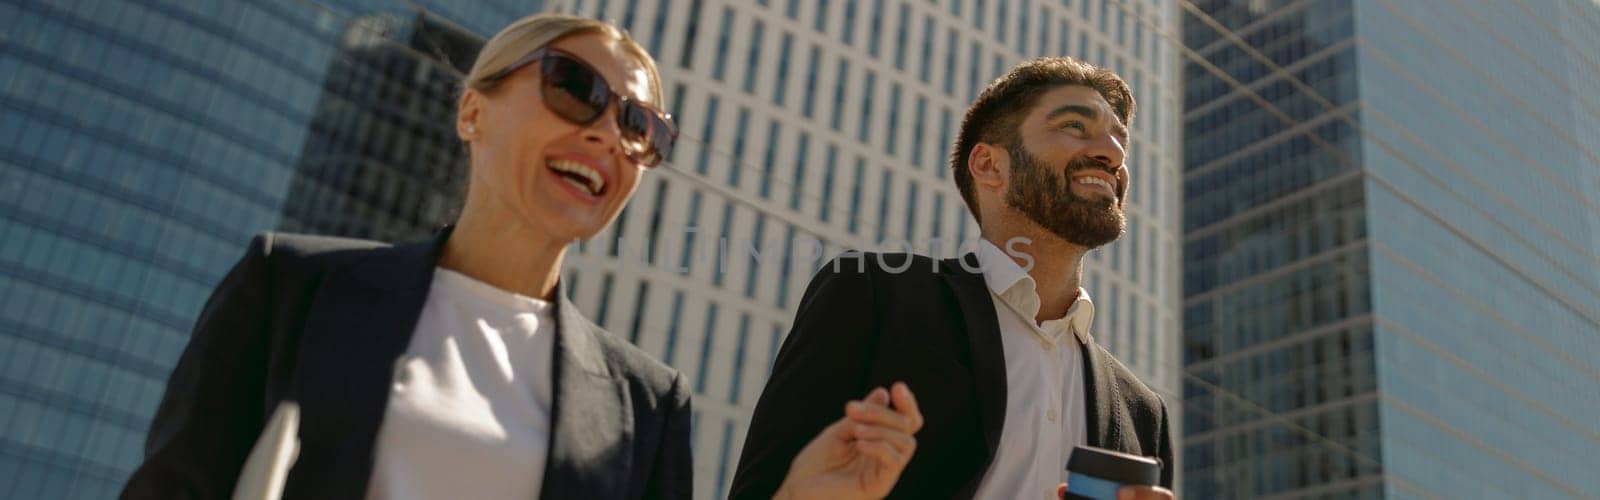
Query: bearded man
[[997, 343]]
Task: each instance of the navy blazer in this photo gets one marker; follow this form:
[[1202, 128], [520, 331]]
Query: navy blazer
[[323, 321], [868, 320]]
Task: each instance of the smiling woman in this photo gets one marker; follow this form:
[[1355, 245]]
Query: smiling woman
[[457, 365]]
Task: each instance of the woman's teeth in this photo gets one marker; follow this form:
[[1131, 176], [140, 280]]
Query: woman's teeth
[[591, 180]]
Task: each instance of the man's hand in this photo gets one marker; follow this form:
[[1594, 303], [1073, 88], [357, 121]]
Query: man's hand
[[862, 454], [1129, 493]]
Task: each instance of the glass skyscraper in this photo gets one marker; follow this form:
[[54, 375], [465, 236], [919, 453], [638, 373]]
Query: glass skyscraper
[[1392, 249], [142, 143]]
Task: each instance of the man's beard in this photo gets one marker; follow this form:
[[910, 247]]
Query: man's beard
[[1045, 197]]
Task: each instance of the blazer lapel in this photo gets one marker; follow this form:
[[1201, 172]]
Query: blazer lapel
[[591, 431], [983, 337], [1099, 395], [360, 323]]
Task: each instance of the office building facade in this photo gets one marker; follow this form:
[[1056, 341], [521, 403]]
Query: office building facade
[[145, 142], [1390, 243]]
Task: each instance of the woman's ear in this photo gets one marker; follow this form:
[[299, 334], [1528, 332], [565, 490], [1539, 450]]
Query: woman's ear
[[469, 109]]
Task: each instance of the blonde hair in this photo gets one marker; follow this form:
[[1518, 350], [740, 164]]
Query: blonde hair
[[538, 30]]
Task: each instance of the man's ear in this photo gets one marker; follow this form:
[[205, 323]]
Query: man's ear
[[990, 166]]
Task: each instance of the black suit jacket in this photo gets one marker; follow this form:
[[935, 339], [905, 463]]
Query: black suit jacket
[[322, 321], [866, 323]]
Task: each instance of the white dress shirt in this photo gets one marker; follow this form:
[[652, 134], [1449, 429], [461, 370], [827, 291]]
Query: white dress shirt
[[1045, 409], [469, 410]]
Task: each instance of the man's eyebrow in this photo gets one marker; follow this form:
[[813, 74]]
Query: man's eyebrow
[[1121, 131], [1086, 111]]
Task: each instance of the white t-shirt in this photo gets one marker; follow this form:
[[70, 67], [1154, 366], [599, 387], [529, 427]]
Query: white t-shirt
[[469, 411]]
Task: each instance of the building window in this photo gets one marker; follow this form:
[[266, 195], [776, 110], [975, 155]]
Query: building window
[[687, 258], [738, 357], [1111, 305], [769, 160], [901, 33], [979, 11], [820, 21], [639, 300], [802, 151], [1064, 33], [1133, 249], [849, 34], [672, 328], [926, 63], [658, 29], [758, 239], [1000, 21], [707, 135], [1122, 28], [722, 463], [1104, 27], [942, 166], [781, 86], [700, 376], [721, 62], [916, 132], [782, 300], [974, 61], [689, 33], [827, 183], [887, 180], [1044, 29], [736, 164], [677, 114], [855, 194], [616, 230], [811, 82], [950, 50], [727, 224], [911, 211], [838, 93], [627, 14], [868, 83], [655, 221], [961, 233], [873, 35], [753, 57], [1138, 30], [892, 125], [605, 300]]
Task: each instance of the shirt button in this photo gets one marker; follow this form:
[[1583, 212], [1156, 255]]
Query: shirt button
[[1051, 415]]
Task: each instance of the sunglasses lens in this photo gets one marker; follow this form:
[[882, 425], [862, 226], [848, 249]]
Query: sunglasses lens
[[573, 91], [646, 135]]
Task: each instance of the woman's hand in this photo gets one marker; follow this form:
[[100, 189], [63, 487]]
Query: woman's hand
[[862, 454]]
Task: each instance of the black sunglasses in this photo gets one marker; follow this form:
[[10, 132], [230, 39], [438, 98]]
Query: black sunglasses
[[577, 93]]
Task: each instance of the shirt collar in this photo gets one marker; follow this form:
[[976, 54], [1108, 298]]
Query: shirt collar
[[1012, 284]]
